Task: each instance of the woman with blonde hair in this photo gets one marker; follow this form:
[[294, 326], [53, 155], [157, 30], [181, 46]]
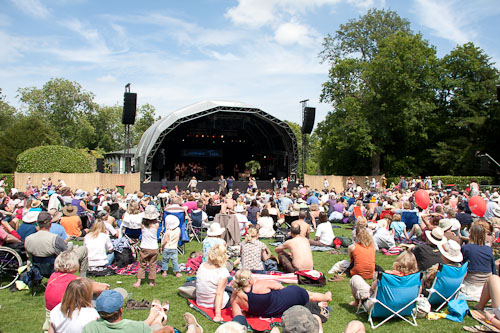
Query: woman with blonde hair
[[75, 309], [253, 251], [98, 245], [405, 264], [267, 298], [211, 280]]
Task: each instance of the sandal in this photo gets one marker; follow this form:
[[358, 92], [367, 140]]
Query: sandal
[[336, 278], [134, 305]]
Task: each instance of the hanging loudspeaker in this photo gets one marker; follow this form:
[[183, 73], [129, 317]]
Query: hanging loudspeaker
[[308, 120], [129, 107], [498, 93]]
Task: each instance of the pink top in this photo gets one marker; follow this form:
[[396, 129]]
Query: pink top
[[56, 286], [191, 205]]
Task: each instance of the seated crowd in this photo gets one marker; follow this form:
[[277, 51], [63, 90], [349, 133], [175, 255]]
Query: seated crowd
[[46, 222]]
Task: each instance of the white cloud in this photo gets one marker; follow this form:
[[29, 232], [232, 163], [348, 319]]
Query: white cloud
[[107, 79], [445, 21], [295, 33], [32, 7]]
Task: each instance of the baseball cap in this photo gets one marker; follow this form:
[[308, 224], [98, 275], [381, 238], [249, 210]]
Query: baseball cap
[[109, 301]]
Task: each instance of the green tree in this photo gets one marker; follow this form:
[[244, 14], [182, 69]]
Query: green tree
[[469, 113], [382, 84], [312, 150], [146, 118], [64, 105], [8, 114], [24, 133]]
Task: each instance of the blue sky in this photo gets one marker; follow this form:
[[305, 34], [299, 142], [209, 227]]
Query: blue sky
[[175, 53]]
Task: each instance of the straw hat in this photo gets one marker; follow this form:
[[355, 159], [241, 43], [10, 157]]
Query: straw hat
[[451, 250], [215, 229], [45, 196], [70, 210], [436, 236], [171, 222], [35, 203], [445, 224]]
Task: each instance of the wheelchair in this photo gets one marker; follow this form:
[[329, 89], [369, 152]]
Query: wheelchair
[[10, 262]]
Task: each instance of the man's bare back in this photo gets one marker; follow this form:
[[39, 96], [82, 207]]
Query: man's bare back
[[305, 228], [301, 252]]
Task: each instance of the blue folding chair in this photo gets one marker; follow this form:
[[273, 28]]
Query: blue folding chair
[[184, 237], [409, 218], [447, 283], [394, 296]]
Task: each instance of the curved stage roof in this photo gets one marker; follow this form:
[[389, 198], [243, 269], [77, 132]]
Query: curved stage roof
[[153, 138]]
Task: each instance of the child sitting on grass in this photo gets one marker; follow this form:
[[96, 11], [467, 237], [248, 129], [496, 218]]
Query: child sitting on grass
[[169, 245], [149, 246], [398, 228]]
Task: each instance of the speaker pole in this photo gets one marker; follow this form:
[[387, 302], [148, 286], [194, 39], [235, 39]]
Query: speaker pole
[[304, 141], [127, 138]]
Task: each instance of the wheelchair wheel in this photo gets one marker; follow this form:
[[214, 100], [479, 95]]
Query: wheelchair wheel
[[10, 261]]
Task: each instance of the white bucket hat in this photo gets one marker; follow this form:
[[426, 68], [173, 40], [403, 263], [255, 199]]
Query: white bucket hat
[[151, 213], [215, 229], [451, 250], [171, 222]]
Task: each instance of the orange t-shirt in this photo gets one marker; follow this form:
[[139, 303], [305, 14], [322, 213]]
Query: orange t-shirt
[[71, 225], [364, 261]]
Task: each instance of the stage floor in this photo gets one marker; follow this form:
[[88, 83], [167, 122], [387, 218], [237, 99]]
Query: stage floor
[[209, 185]]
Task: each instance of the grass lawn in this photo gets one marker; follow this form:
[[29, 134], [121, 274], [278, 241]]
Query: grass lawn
[[21, 312]]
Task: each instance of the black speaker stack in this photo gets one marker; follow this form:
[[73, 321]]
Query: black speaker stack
[[129, 108], [308, 115]]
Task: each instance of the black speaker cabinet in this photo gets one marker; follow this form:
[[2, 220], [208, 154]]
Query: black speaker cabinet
[[129, 108], [498, 93], [308, 120]]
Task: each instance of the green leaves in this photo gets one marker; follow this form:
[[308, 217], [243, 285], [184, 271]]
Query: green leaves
[[53, 159]]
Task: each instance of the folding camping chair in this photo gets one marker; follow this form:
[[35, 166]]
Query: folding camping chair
[[394, 296], [447, 284], [409, 218], [184, 238], [195, 227]]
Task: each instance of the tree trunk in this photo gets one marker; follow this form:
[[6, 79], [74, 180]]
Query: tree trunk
[[376, 164]]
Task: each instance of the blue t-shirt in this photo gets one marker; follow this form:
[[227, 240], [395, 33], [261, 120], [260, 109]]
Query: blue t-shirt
[[26, 229], [312, 200], [284, 203], [58, 229], [398, 228], [230, 182]]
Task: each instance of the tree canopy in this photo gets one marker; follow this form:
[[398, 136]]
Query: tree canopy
[[397, 107]]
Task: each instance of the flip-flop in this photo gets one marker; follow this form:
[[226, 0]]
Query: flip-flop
[[336, 278]]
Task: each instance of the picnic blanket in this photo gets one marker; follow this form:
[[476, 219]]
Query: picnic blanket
[[403, 240], [479, 316], [132, 269], [321, 248], [277, 276], [259, 324]]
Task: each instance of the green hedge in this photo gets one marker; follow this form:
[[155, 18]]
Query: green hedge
[[46, 159], [460, 181], [9, 180]]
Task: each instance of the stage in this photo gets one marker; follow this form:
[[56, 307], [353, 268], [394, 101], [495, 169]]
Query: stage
[[209, 185]]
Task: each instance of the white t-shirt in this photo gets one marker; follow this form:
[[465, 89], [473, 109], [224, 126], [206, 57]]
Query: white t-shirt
[[206, 286], [149, 238], [97, 248], [455, 224], [325, 233], [79, 319], [243, 221], [266, 226], [132, 221]]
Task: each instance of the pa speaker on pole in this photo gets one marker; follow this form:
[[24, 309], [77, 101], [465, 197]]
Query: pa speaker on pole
[[498, 93], [129, 108], [308, 120]]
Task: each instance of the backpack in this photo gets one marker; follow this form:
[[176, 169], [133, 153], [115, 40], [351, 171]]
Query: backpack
[[124, 258], [345, 241]]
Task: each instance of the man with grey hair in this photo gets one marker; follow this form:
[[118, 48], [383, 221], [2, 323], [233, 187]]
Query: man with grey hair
[[44, 246]]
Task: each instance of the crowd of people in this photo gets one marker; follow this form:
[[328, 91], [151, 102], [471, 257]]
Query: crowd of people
[[45, 221]]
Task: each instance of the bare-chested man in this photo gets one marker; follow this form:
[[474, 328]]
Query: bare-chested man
[[300, 256], [305, 228]]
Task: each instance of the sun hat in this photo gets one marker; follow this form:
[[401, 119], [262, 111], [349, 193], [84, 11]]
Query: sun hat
[[45, 197], [69, 210], [215, 229], [298, 319], [445, 224], [436, 236], [35, 203], [79, 194], [496, 211], [109, 301], [451, 250], [151, 213], [171, 222], [388, 207], [31, 217], [56, 216]]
